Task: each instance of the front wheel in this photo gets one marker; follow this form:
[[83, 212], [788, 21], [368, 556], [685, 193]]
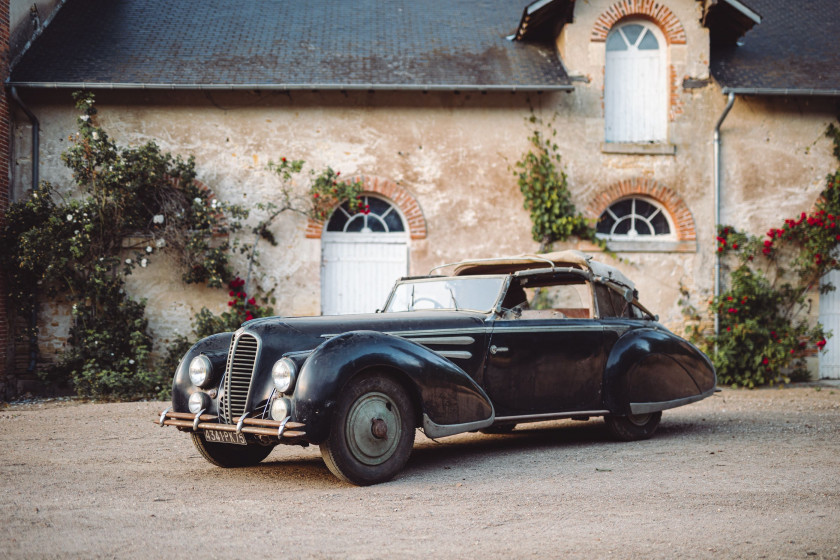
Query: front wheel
[[372, 431], [227, 455], [633, 427]]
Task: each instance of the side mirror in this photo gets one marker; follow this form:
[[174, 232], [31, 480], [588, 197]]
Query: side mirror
[[628, 295]]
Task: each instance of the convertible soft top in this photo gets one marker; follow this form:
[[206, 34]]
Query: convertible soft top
[[562, 259]]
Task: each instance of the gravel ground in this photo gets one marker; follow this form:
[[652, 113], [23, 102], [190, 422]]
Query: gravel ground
[[745, 474]]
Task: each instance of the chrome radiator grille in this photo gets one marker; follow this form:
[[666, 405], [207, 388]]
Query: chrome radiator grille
[[242, 358]]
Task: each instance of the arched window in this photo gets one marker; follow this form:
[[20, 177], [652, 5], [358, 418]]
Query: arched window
[[636, 219], [376, 216], [635, 84]]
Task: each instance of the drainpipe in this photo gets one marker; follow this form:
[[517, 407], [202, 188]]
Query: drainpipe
[[36, 127], [729, 103]]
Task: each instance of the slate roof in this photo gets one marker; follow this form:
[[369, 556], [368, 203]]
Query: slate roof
[[795, 50], [288, 44]]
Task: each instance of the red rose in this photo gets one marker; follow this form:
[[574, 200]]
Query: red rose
[[765, 361], [821, 343], [232, 293], [734, 245], [252, 301], [732, 310], [728, 329], [230, 304]]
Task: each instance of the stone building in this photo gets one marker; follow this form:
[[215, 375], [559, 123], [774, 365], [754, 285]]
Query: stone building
[[428, 104]]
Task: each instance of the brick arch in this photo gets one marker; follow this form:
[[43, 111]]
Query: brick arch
[[403, 199], [652, 10], [640, 186]]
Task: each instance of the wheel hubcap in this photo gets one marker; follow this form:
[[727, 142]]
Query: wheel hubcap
[[373, 428], [638, 419]]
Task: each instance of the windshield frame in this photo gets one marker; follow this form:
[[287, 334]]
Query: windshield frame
[[503, 286]]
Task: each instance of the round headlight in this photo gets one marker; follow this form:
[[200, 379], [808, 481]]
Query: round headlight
[[200, 367], [283, 374], [198, 402], [280, 408]]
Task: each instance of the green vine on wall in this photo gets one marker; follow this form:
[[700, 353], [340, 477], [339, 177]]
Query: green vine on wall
[[130, 205], [544, 186]]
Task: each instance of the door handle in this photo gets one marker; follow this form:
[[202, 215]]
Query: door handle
[[496, 349]]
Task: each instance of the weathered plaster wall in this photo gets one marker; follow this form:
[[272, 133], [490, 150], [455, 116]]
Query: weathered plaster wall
[[453, 152]]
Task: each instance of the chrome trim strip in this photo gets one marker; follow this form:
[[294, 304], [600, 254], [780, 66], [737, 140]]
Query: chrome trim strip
[[433, 430], [453, 340], [645, 408], [404, 334], [550, 416], [458, 355], [549, 328]]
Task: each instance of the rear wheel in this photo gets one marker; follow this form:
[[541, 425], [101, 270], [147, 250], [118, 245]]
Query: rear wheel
[[372, 431], [228, 455], [633, 427]]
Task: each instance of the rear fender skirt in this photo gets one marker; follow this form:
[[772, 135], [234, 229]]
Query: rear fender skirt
[[451, 402], [654, 370], [214, 346]]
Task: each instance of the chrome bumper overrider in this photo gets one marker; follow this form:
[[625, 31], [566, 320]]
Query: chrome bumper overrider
[[242, 424]]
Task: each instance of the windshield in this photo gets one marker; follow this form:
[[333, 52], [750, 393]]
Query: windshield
[[469, 293]]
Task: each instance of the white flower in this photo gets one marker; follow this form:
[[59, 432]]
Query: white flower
[[149, 249], [69, 217], [160, 243], [143, 262], [197, 200], [76, 232], [127, 261], [85, 117], [34, 195], [131, 362], [89, 101], [214, 203], [95, 136], [157, 218]]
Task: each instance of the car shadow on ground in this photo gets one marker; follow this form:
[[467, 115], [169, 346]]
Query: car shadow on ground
[[429, 456]]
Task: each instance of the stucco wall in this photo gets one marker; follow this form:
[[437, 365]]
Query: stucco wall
[[453, 154]]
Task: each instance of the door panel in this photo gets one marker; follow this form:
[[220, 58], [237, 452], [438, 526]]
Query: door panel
[[359, 270], [830, 319], [544, 366]]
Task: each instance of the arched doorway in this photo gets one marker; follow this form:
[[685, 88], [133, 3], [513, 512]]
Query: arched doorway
[[362, 254]]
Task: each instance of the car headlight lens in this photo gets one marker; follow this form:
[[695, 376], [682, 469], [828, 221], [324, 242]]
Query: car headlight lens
[[283, 373], [200, 368], [198, 402], [280, 408]]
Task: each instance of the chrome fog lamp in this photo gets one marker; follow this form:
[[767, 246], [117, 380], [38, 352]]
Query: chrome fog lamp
[[199, 401], [280, 408], [200, 368], [283, 373]]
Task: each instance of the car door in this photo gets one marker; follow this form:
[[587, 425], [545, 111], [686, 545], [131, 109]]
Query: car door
[[545, 365]]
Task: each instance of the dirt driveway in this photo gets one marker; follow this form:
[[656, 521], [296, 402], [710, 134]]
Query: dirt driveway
[[741, 475]]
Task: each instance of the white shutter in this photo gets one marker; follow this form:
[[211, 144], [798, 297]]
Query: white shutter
[[358, 270], [830, 319], [635, 91]]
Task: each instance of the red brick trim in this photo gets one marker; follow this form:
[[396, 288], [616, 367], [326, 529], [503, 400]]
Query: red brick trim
[[404, 200], [652, 10], [641, 186]]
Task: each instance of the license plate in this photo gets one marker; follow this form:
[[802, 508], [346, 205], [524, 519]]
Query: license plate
[[218, 436]]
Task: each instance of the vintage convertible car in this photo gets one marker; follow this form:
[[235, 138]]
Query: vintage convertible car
[[498, 343]]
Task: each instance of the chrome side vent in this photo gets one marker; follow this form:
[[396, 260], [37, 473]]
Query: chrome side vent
[[239, 370]]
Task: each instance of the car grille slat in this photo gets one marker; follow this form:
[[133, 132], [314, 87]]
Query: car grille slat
[[239, 370]]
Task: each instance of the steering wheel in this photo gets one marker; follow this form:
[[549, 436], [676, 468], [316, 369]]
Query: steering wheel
[[435, 303]]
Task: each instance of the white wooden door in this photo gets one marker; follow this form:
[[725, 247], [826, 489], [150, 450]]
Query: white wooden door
[[830, 319], [635, 88], [358, 270]]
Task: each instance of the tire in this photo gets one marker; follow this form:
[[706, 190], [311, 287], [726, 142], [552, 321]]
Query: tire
[[228, 455], [498, 429], [353, 451], [633, 427]]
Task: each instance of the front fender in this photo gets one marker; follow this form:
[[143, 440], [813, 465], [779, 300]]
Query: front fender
[[182, 387], [450, 401], [653, 369]]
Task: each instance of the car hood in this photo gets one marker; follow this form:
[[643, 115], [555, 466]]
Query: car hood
[[304, 333]]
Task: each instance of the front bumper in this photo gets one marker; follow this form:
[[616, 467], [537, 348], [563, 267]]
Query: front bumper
[[283, 430]]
